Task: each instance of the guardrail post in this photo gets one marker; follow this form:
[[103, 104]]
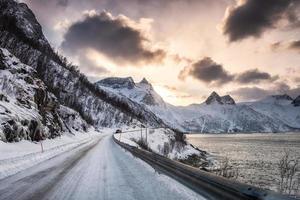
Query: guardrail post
[[42, 146]]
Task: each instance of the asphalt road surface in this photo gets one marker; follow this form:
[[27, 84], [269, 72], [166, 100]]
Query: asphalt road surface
[[102, 170]]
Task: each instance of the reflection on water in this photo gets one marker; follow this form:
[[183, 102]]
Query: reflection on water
[[255, 155]]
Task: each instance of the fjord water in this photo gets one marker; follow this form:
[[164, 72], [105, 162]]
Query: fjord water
[[255, 155]]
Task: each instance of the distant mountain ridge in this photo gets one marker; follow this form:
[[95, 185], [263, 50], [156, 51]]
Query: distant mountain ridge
[[218, 114]]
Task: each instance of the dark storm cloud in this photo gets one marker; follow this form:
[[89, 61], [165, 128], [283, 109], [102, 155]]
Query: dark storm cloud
[[114, 37], [253, 17], [254, 76], [208, 71]]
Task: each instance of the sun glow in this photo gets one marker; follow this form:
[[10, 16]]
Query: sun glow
[[173, 96]]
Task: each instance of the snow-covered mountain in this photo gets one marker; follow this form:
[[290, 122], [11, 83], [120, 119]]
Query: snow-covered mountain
[[141, 92], [50, 85], [217, 114], [280, 107]]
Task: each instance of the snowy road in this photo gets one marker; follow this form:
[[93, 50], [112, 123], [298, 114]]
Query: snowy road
[[102, 170]]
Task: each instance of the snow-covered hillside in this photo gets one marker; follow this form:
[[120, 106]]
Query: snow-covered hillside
[[27, 109], [161, 141], [279, 107], [216, 115]]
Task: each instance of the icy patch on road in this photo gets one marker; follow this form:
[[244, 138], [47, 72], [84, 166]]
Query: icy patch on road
[[16, 157]]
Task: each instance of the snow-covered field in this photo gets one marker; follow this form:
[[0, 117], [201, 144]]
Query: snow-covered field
[[15, 157], [159, 140]]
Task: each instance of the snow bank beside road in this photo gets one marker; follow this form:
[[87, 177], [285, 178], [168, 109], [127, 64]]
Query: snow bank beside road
[[15, 157], [161, 141]]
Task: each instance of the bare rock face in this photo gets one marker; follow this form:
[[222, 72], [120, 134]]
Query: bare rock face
[[19, 20], [215, 98], [145, 81], [115, 82], [72, 119], [27, 109], [30, 111], [296, 102], [227, 99]]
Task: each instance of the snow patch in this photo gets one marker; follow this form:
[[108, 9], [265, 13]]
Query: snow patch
[[19, 156]]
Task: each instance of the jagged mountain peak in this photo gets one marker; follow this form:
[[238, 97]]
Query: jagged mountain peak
[[117, 82], [216, 98], [227, 99], [213, 97], [145, 81], [141, 92], [18, 19], [214, 94], [145, 84]]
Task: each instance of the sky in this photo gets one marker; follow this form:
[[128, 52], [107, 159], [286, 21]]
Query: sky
[[248, 49]]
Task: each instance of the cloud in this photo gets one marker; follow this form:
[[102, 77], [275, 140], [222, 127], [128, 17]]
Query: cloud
[[292, 45], [90, 67], [253, 17], [256, 93], [297, 79], [251, 93], [119, 38], [276, 46], [295, 45], [208, 71], [63, 3], [254, 76]]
